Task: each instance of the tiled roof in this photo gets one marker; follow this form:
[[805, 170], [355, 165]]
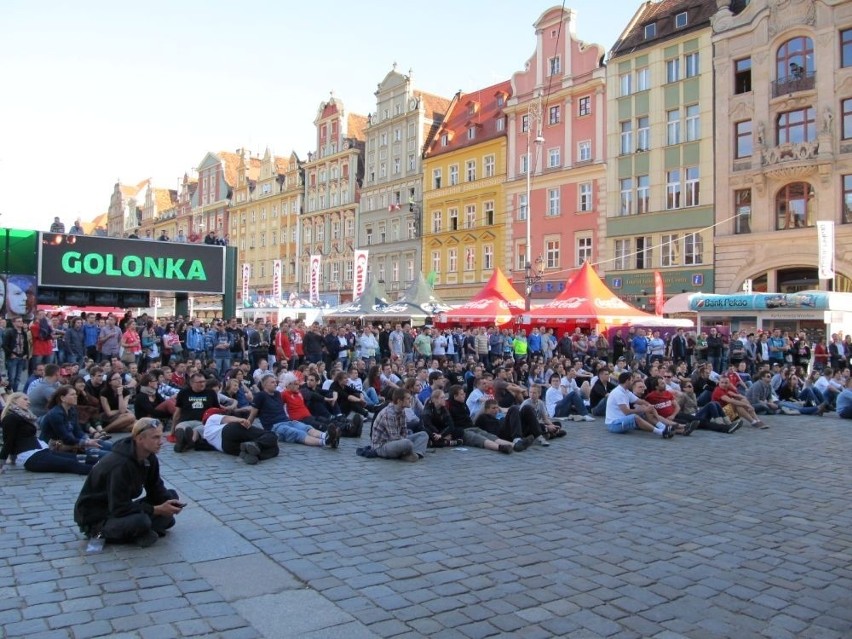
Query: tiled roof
[[662, 13], [356, 125], [459, 119], [100, 220], [164, 199], [433, 105], [232, 163]]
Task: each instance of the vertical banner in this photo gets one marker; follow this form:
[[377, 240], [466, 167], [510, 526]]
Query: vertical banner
[[246, 276], [359, 278], [659, 293], [825, 239], [315, 273], [276, 280]]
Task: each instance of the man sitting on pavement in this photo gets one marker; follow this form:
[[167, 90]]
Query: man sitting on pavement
[[109, 504], [734, 404], [389, 435], [190, 405], [625, 411], [234, 435]]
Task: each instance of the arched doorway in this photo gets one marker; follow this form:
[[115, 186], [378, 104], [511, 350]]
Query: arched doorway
[[792, 280]]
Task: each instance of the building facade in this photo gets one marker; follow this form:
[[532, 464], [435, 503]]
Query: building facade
[[660, 205], [464, 218], [125, 208], [263, 221], [159, 214], [403, 124], [217, 177], [556, 171], [333, 179], [783, 142]]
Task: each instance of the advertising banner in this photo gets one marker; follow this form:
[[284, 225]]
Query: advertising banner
[[276, 280], [315, 275], [245, 282], [825, 239], [659, 293], [359, 280], [91, 262]]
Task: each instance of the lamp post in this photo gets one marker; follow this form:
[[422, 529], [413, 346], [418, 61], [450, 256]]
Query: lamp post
[[533, 119]]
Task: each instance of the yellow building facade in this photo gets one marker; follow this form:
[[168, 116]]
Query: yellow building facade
[[463, 223]]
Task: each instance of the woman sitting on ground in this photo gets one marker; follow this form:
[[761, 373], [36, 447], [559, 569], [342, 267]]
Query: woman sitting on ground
[[88, 409], [60, 427], [20, 441], [116, 416]]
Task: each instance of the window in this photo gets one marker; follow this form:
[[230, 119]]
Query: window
[[847, 199], [488, 164], [319, 231], [742, 207], [693, 249], [525, 164], [521, 256], [670, 250], [673, 189], [673, 70], [643, 194], [680, 20], [693, 123], [742, 76], [626, 82], [626, 137], [797, 126], [846, 123], [470, 170], [584, 191], [643, 79], [583, 250], [383, 170], [471, 133], [383, 139], [553, 198], [553, 158], [522, 206], [793, 206], [846, 48], [470, 216], [487, 257], [453, 219], [525, 123], [554, 114], [673, 126], [437, 222], [794, 60], [553, 65], [436, 178], [643, 133], [454, 174], [412, 162], [644, 252], [369, 232], [452, 260], [383, 234], [488, 207], [396, 166], [469, 258], [626, 188], [335, 230], [436, 261], [650, 31], [690, 64], [584, 151], [409, 270], [743, 139], [445, 139], [691, 186], [501, 123], [622, 255], [584, 104], [551, 253]]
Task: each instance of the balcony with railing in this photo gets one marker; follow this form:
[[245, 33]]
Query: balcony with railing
[[793, 83]]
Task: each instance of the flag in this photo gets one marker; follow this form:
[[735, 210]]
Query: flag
[[659, 294], [825, 240], [276, 279], [359, 279], [315, 274]]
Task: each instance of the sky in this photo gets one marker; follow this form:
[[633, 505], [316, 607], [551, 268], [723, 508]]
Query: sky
[[95, 92]]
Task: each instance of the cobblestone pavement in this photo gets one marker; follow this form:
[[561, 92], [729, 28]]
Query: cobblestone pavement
[[599, 535]]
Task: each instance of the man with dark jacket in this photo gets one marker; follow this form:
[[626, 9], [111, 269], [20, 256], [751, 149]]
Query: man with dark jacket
[[109, 504], [312, 344], [16, 348]]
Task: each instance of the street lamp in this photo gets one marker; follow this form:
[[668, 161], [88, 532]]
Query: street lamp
[[533, 119]]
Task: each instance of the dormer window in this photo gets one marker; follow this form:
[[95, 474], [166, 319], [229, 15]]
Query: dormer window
[[650, 31], [501, 100], [680, 20], [445, 139], [471, 109], [471, 132]]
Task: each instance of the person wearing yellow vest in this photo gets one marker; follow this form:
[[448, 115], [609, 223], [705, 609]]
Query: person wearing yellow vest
[[520, 345]]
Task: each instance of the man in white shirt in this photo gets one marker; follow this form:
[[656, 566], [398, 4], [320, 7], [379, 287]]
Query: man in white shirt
[[476, 400], [625, 411]]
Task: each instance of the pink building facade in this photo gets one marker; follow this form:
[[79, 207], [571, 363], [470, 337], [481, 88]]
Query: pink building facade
[[556, 138]]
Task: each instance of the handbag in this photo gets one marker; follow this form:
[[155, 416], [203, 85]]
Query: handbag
[[59, 446], [127, 356]]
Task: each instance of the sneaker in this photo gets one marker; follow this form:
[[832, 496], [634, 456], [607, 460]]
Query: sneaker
[[250, 453], [668, 433], [147, 539], [588, 418], [560, 433], [690, 427], [357, 425], [332, 436], [734, 426], [411, 457], [180, 442], [789, 411], [820, 411], [541, 441], [188, 441], [578, 418], [519, 445], [506, 449]]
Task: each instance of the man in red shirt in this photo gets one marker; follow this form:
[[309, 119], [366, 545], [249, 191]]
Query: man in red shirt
[[295, 403], [664, 402], [734, 404]]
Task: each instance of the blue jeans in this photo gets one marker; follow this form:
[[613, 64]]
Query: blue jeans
[[372, 396], [804, 410], [16, 369], [572, 401], [623, 424], [600, 409], [223, 362], [291, 432], [709, 411]]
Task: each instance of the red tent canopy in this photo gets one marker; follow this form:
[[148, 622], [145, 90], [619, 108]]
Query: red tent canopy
[[497, 303], [587, 298]]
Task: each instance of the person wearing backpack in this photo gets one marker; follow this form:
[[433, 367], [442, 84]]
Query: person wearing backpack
[[41, 333]]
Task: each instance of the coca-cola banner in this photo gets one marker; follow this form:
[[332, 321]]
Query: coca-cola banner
[[246, 277], [315, 274], [359, 277], [276, 279]]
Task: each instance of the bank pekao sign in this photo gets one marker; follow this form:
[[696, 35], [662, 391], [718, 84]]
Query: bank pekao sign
[[91, 262]]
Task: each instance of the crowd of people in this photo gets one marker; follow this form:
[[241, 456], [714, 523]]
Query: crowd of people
[[58, 226], [246, 389]]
